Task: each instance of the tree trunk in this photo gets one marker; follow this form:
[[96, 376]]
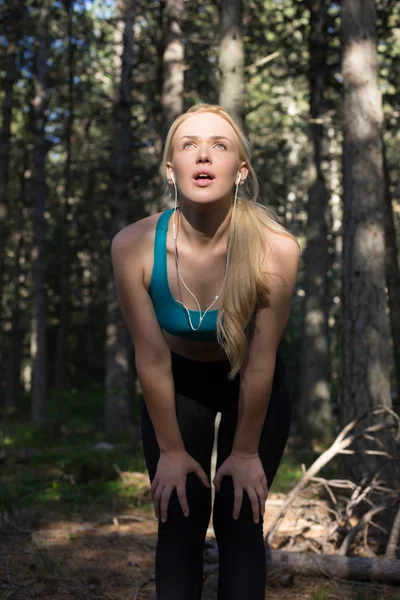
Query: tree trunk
[[231, 60], [38, 341], [392, 273], [353, 568], [14, 349], [119, 380], [332, 566], [315, 403], [173, 61], [10, 77], [172, 81], [19, 309], [365, 331], [59, 367]]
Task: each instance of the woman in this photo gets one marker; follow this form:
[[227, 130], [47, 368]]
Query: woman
[[205, 289]]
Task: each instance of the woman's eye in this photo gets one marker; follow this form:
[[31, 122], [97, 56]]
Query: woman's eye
[[187, 144]]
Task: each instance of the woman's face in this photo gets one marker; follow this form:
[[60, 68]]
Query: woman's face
[[205, 161]]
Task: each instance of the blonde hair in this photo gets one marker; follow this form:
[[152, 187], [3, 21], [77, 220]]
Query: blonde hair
[[245, 288]]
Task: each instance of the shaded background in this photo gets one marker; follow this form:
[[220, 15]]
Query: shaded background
[[88, 92]]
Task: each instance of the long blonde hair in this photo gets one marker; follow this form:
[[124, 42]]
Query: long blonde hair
[[245, 288]]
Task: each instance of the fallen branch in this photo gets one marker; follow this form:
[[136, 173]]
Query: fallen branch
[[329, 565], [365, 519], [394, 538], [332, 566], [340, 446]]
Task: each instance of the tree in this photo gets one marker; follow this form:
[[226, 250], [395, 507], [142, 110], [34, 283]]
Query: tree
[[231, 60], [10, 77], [173, 61], [59, 367], [365, 333], [119, 364], [39, 104], [316, 413]]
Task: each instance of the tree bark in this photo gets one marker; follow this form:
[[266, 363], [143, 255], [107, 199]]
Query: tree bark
[[59, 367], [171, 77], [231, 60], [332, 566], [365, 331], [315, 404], [119, 378], [15, 337], [10, 77], [38, 340], [353, 568], [173, 61], [392, 272], [19, 310]]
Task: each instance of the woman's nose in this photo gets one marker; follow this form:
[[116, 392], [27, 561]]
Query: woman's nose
[[203, 153]]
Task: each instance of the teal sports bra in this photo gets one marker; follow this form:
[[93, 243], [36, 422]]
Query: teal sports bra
[[171, 315]]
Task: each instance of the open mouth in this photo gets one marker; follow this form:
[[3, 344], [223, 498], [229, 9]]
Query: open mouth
[[203, 180], [203, 177]]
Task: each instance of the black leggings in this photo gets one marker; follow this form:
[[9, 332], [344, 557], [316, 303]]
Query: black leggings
[[202, 390]]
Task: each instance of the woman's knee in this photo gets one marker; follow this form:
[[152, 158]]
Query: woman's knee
[[199, 502], [225, 526]]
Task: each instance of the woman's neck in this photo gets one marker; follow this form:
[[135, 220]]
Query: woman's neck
[[205, 228]]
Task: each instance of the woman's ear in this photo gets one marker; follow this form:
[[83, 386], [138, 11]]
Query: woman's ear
[[169, 173], [244, 171]]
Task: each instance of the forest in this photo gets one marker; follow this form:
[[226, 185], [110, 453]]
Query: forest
[[88, 91]]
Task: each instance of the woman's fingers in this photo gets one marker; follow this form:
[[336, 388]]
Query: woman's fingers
[[156, 500], [264, 483], [154, 486], [161, 499], [262, 496], [181, 492], [238, 495], [255, 503], [202, 475], [165, 496]]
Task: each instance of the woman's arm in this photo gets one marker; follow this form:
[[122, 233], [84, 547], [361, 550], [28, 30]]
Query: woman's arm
[[257, 372], [152, 355]]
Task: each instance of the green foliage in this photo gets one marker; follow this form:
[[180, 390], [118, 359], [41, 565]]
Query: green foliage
[[321, 594], [58, 466], [288, 474], [71, 480], [290, 469]]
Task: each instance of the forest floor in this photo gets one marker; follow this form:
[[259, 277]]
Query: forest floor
[[96, 556], [77, 521]]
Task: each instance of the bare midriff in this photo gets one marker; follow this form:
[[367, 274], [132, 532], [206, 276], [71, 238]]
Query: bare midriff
[[211, 266]]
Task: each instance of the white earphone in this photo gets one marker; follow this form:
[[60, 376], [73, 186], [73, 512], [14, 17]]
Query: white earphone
[[238, 181]]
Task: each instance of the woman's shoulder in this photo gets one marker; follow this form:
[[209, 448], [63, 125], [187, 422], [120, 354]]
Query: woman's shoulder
[[285, 243], [137, 233], [282, 251]]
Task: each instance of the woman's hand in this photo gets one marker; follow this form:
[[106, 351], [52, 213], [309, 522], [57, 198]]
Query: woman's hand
[[247, 474], [172, 469]]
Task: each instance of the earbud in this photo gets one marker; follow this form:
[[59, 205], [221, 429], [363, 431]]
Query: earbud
[[173, 224], [238, 181]]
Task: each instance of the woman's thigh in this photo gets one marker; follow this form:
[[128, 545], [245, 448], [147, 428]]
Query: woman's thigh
[[196, 425], [276, 427]]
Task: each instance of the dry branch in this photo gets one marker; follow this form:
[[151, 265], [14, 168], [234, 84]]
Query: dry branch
[[351, 567], [328, 565], [347, 516], [394, 538]]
